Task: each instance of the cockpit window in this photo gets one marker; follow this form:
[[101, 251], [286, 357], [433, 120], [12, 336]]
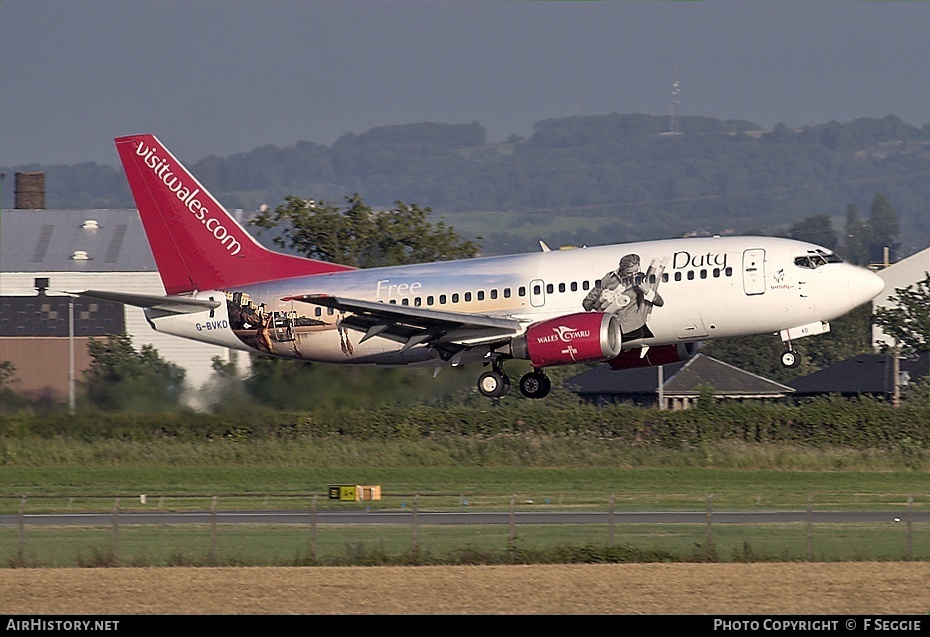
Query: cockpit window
[[816, 258]]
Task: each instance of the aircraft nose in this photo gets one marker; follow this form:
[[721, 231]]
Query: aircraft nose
[[864, 285]]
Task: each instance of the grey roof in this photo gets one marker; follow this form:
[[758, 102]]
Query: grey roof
[[603, 380], [725, 378], [679, 379], [862, 374], [48, 240]]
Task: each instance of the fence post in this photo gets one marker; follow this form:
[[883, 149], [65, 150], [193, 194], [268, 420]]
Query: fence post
[[22, 530], [908, 543], [710, 550], [313, 528], [213, 531], [513, 532], [116, 532], [610, 522], [415, 546], [810, 528]]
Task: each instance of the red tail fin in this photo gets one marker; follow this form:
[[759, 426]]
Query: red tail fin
[[197, 245]]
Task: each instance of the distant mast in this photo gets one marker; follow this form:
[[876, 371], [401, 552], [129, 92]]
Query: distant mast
[[673, 128]]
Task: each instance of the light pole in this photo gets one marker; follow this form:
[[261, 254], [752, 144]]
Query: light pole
[[661, 388], [71, 355]]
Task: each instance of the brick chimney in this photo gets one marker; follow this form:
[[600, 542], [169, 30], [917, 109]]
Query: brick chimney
[[30, 191]]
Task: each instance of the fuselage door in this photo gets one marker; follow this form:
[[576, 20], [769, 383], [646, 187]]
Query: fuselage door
[[537, 293], [754, 271]]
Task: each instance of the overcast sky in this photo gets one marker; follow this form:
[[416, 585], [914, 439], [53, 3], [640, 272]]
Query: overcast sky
[[216, 77]]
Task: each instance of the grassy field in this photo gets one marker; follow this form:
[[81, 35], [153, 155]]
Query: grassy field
[[287, 545], [70, 476], [60, 475]]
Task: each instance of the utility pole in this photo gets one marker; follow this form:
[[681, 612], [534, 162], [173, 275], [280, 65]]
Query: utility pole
[[896, 376], [661, 388], [71, 355]]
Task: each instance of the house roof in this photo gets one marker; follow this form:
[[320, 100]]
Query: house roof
[[679, 379], [862, 374], [73, 241]]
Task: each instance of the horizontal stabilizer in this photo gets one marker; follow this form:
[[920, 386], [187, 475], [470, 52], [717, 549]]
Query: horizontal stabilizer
[[173, 304]]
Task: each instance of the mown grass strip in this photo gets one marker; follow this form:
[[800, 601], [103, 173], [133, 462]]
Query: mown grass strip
[[264, 545]]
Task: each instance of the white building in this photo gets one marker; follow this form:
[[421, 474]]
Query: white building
[[77, 250]]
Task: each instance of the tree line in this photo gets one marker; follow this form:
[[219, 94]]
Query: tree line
[[577, 180]]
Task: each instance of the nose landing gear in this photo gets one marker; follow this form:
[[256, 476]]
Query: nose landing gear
[[790, 358]]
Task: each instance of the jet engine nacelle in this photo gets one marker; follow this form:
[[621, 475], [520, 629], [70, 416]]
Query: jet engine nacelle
[[660, 355], [575, 338]]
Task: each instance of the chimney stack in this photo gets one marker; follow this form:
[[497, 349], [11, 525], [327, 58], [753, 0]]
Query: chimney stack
[[30, 191], [41, 285]]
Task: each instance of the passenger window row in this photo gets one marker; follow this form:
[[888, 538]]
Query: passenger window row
[[573, 286], [690, 275]]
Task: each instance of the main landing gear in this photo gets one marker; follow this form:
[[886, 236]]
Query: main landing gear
[[495, 383]]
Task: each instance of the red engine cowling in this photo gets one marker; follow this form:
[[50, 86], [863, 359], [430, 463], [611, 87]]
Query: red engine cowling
[[658, 355], [575, 338]]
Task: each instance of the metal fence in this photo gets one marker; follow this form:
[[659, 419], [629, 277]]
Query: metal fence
[[299, 529]]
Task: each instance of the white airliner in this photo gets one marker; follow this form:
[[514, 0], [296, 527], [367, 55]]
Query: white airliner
[[629, 305]]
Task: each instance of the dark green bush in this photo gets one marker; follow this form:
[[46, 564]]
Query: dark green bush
[[856, 423]]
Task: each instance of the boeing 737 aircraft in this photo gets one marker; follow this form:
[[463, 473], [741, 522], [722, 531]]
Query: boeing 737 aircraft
[[630, 305]]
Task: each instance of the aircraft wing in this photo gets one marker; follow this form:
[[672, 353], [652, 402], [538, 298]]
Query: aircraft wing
[[417, 325], [172, 304]]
